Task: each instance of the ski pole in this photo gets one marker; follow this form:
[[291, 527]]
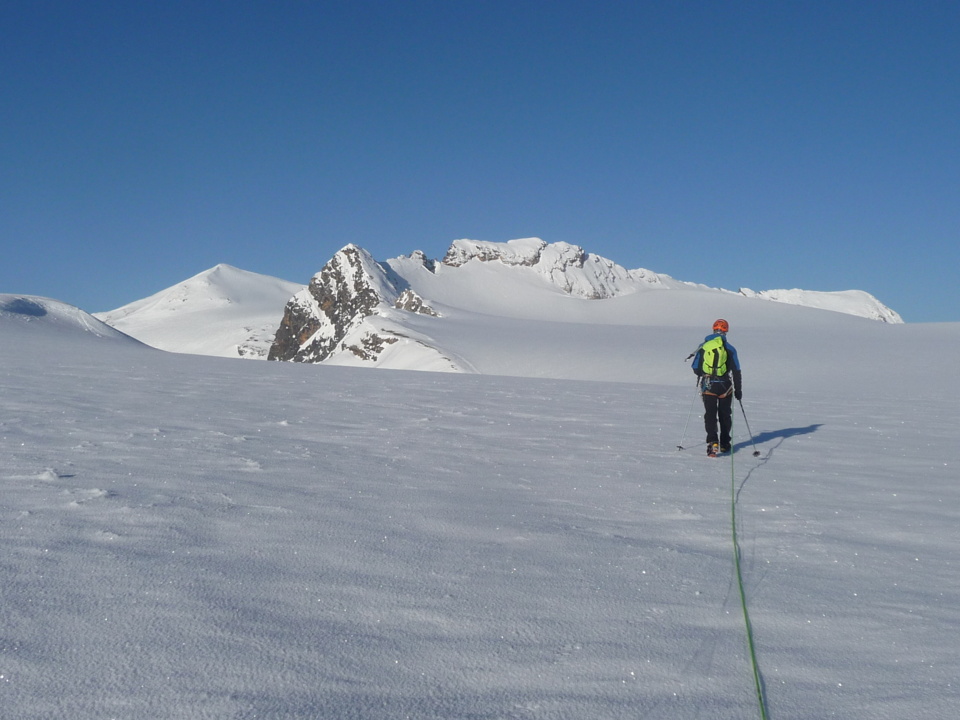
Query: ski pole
[[756, 453], [684, 433]]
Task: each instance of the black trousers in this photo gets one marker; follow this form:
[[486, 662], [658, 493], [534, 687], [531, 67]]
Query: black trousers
[[718, 411]]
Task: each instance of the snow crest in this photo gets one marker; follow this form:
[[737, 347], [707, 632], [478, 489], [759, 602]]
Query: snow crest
[[851, 302], [42, 314], [223, 311], [563, 265]]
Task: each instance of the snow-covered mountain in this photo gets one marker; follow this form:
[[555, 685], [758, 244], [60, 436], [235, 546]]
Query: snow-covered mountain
[[354, 308], [412, 312], [223, 311]]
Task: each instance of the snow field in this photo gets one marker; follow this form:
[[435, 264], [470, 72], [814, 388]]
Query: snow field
[[191, 537]]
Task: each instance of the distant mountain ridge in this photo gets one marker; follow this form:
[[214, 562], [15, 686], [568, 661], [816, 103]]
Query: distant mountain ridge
[[412, 312], [561, 264]]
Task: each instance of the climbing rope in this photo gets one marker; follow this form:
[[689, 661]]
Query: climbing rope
[[757, 681]]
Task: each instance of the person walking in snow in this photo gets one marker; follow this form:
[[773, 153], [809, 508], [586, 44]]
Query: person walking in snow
[[717, 365]]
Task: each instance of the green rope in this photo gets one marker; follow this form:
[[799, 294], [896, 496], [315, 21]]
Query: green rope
[[758, 684]]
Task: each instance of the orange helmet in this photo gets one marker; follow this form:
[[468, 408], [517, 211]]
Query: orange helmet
[[721, 326]]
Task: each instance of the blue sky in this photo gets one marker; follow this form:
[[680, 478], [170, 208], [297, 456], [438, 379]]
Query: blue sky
[[736, 144]]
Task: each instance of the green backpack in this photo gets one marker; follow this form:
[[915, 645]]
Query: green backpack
[[714, 357]]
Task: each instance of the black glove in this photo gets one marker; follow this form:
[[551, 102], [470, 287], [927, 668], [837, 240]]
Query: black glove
[[738, 394]]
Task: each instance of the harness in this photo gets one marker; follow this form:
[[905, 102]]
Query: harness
[[721, 385]]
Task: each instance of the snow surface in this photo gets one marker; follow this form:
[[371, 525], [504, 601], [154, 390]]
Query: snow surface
[[198, 537]]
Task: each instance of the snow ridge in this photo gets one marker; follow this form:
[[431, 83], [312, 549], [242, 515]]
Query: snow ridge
[[852, 302], [561, 264], [46, 315]]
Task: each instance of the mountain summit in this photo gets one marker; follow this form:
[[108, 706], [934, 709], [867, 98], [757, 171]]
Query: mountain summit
[[330, 315], [223, 311]]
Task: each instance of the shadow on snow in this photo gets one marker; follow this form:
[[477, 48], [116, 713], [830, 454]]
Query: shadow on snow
[[777, 434]]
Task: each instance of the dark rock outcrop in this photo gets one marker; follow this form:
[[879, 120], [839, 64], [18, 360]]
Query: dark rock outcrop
[[318, 321], [411, 302]]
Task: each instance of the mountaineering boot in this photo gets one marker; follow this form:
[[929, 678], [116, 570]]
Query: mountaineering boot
[[712, 449], [724, 449]]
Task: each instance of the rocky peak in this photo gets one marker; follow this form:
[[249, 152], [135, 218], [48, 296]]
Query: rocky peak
[[525, 251], [327, 316]]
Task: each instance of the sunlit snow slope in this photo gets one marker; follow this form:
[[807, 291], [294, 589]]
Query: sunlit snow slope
[[224, 311]]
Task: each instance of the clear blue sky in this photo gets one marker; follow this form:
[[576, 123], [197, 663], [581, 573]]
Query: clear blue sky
[[736, 144]]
